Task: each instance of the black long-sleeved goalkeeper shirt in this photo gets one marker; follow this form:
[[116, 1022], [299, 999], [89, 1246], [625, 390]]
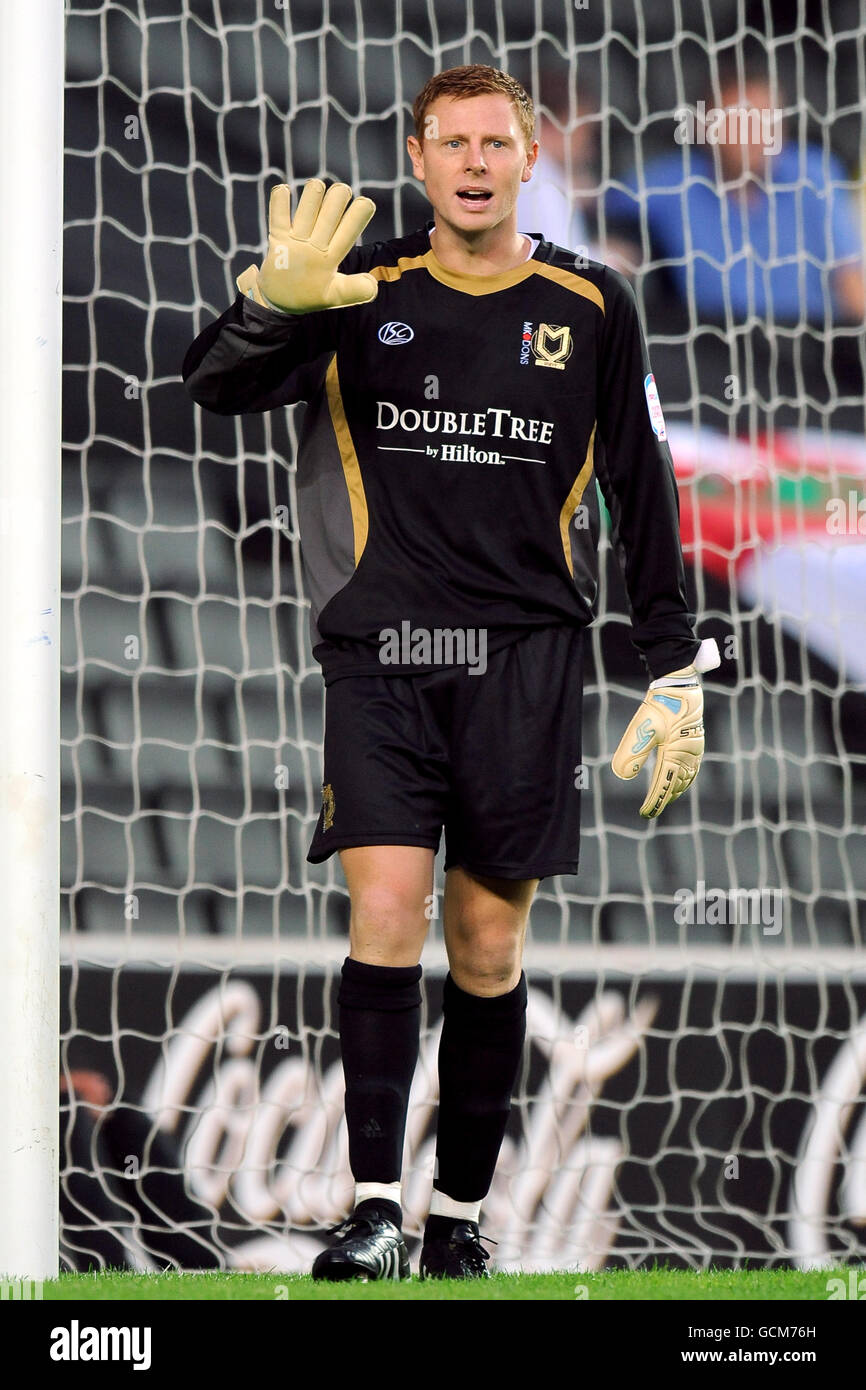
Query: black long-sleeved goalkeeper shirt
[[454, 427]]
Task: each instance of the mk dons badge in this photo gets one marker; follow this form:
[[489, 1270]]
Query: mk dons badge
[[551, 346], [327, 806]]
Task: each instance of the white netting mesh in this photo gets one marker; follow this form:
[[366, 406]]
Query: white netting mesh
[[193, 708]]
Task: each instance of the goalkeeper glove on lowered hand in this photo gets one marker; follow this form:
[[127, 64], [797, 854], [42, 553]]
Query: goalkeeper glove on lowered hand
[[299, 274], [671, 720]]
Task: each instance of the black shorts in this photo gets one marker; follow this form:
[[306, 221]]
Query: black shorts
[[494, 758]]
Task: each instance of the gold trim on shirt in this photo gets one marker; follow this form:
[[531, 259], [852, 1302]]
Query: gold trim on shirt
[[572, 501], [349, 459]]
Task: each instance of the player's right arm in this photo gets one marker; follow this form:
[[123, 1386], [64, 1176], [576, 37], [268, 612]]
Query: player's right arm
[[260, 354]]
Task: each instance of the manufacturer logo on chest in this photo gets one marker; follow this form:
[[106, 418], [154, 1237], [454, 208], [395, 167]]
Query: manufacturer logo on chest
[[395, 334]]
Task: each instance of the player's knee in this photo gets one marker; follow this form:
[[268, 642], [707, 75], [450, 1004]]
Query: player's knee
[[388, 907], [485, 978], [487, 933], [486, 962]]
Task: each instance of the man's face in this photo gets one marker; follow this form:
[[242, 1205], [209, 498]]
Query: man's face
[[473, 160], [748, 156]]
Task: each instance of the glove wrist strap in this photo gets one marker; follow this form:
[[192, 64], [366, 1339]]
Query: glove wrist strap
[[707, 658], [666, 682]]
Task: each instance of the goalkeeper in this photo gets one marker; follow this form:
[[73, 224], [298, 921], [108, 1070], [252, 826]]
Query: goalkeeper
[[466, 386]]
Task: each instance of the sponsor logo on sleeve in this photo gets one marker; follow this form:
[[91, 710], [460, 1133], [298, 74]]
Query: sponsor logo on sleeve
[[654, 406]]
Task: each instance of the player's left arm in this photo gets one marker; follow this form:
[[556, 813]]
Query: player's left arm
[[635, 471]]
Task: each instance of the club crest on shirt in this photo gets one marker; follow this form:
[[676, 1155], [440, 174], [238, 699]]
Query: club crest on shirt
[[551, 346], [327, 806]]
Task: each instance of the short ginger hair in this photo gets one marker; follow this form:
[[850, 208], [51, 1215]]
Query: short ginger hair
[[474, 80]]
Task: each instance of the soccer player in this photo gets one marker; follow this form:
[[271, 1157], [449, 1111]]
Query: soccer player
[[466, 386]]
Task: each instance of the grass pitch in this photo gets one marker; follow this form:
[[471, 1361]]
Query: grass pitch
[[658, 1284]]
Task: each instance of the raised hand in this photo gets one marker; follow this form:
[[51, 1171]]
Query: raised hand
[[299, 274]]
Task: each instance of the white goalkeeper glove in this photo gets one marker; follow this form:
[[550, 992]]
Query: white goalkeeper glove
[[299, 274], [671, 720]]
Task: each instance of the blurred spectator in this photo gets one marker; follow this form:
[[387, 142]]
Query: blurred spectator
[[757, 226], [559, 199], [757, 264]]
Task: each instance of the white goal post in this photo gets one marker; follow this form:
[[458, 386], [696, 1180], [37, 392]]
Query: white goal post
[[31, 224]]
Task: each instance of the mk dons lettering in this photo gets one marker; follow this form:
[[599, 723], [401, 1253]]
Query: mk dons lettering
[[493, 422]]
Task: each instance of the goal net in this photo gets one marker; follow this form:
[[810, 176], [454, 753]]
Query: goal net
[[692, 1088]]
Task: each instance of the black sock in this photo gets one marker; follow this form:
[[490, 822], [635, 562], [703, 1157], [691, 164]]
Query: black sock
[[380, 1018], [378, 1207], [441, 1227], [479, 1054]]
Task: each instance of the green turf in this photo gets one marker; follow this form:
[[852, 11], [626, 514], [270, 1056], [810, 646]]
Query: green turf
[[611, 1285]]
